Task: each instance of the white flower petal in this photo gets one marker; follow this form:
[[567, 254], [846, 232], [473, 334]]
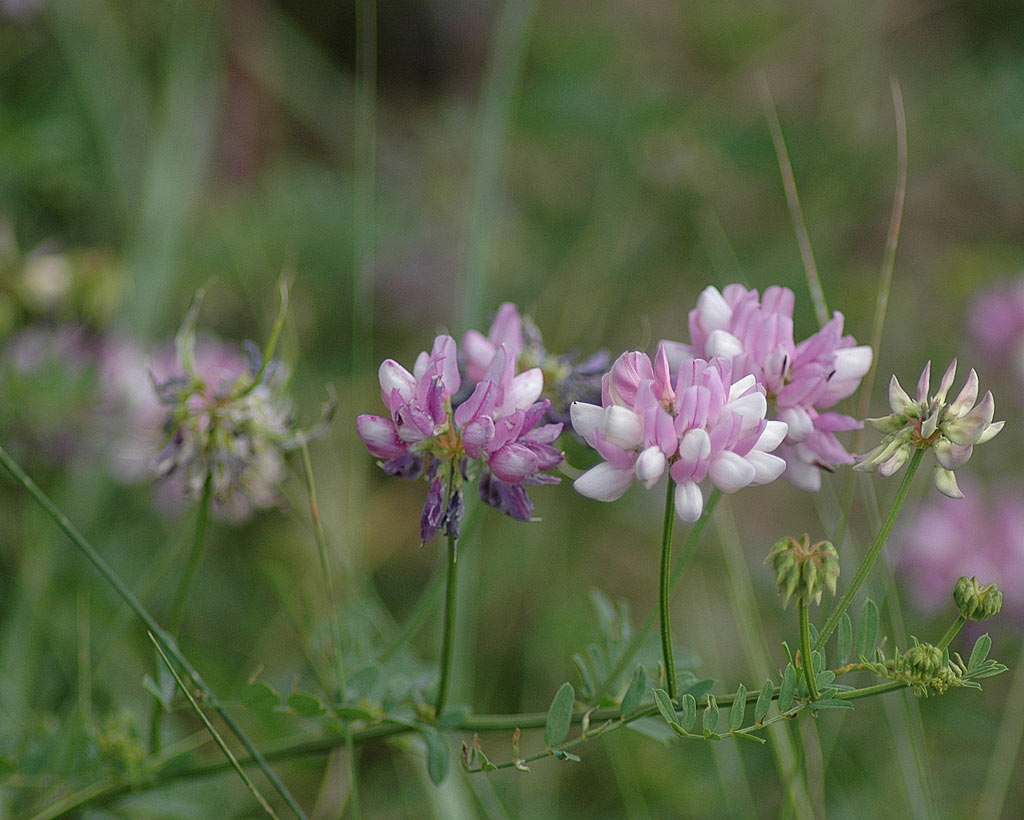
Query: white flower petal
[[774, 434], [730, 472], [723, 343], [524, 391], [604, 482], [899, 401], [713, 312], [650, 466], [969, 429], [622, 426], [395, 377], [744, 385], [689, 501], [799, 421], [990, 431], [767, 467], [695, 446], [586, 418], [945, 483], [967, 396], [946, 383], [852, 362]]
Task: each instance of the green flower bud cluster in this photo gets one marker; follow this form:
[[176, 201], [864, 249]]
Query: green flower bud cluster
[[803, 569], [926, 669], [976, 602]]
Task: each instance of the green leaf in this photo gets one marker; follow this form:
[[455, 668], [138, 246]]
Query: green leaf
[[259, 696], [844, 639], [605, 612], [353, 713], [689, 716], [363, 681], [664, 704], [305, 705], [982, 647], [700, 688], [635, 692], [764, 702], [823, 679], [556, 727], [817, 661], [747, 736], [788, 689], [653, 728], [438, 756], [562, 754], [867, 629], [453, 718], [710, 720], [586, 681], [739, 706]]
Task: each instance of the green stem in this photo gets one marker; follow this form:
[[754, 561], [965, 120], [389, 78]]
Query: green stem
[[195, 557], [156, 714], [640, 636], [448, 639], [168, 642], [664, 591], [104, 791], [805, 650], [873, 552], [952, 632]]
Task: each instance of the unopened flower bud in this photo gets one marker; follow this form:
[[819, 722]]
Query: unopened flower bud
[[977, 603], [924, 660], [804, 569]]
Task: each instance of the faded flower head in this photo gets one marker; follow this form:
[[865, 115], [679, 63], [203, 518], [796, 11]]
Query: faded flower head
[[564, 378], [802, 569], [227, 417], [950, 541], [698, 424], [495, 435], [801, 381], [950, 429]]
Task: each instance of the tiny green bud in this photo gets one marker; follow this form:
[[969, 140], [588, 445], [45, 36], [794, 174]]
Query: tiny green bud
[[803, 569], [924, 660], [975, 602]]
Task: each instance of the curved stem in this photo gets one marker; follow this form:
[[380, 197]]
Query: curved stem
[[664, 591], [873, 552], [806, 658], [952, 632], [448, 639], [195, 557], [640, 636]]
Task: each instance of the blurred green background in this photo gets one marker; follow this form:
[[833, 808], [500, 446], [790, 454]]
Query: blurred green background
[[413, 166]]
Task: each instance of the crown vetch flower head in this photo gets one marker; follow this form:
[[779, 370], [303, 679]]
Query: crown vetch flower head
[[950, 429], [755, 333], [977, 602], [699, 424], [227, 418], [494, 435], [803, 569]]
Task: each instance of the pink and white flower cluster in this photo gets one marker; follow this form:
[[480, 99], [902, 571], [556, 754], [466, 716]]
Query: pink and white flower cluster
[[698, 423], [495, 435], [755, 334]]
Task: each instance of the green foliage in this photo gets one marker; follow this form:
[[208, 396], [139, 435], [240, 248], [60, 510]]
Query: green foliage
[[556, 727]]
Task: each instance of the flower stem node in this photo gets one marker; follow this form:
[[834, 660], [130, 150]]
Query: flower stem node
[[950, 429], [976, 602], [802, 569]]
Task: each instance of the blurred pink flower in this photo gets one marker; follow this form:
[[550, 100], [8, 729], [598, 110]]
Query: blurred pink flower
[[980, 535]]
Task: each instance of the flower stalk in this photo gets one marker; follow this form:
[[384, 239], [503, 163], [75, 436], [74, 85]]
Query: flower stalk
[[664, 591], [872, 555], [805, 648], [448, 636], [952, 632]]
